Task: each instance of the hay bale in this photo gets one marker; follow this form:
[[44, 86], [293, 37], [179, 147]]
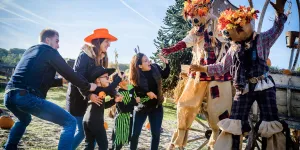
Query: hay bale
[[179, 88]]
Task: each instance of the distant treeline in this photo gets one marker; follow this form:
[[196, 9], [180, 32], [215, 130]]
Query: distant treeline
[[13, 56]]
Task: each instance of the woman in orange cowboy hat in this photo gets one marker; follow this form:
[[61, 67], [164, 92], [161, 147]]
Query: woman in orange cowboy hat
[[94, 53]]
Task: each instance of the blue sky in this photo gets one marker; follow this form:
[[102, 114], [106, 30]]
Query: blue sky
[[133, 22]]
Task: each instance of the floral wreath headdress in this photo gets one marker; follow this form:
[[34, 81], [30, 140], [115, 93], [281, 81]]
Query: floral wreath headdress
[[236, 19], [196, 8]]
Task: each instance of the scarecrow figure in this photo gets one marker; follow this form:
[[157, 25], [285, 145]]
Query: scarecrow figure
[[246, 60], [208, 48]]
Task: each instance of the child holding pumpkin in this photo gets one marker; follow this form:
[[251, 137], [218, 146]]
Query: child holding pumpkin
[[93, 120], [124, 113]]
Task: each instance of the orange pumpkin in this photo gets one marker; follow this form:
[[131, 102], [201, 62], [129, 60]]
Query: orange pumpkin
[[105, 126], [269, 62], [147, 126], [102, 95], [6, 122], [286, 72]]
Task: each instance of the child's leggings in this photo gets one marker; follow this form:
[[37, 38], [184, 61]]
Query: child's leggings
[[95, 131]]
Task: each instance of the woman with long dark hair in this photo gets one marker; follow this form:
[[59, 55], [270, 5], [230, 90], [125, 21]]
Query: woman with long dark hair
[[147, 81], [94, 53]]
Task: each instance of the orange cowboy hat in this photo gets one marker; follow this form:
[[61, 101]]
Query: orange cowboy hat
[[100, 33]]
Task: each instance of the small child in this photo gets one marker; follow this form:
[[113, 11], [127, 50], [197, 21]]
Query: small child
[[93, 120], [124, 114]]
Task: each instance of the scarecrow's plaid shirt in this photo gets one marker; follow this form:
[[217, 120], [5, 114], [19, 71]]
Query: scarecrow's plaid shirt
[[264, 44], [211, 59]]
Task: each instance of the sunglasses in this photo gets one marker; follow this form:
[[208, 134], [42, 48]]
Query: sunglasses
[[107, 77], [125, 78]]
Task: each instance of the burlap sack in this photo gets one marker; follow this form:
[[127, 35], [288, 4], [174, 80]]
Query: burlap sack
[[193, 93], [272, 130]]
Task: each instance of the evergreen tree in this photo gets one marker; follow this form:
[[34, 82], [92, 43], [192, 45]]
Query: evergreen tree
[[3, 52], [11, 57], [174, 30]]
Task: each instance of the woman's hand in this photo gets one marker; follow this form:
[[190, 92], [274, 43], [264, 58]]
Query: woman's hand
[[163, 59], [96, 99], [151, 95], [138, 99], [118, 98]]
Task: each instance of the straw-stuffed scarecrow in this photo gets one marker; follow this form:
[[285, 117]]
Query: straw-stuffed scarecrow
[[246, 60], [208, 48]]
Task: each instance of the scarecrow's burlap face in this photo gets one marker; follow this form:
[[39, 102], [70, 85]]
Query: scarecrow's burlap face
[[239, 34], [199, 24]]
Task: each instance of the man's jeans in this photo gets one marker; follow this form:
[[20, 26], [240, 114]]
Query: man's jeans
[[79, 135], [23, 104]]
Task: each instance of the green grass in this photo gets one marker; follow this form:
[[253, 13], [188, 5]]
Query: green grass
[[2, 77], [1, 97], [56, 95], [169, 111]]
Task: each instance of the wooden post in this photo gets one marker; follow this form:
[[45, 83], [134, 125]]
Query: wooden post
[[291, 58], [288, 97], [255, 111], [296, 59], [116, 61], [250, 3], [251, 140], [262, 15], [298, 51]]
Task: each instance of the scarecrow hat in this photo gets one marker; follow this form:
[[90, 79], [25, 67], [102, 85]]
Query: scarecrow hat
[[236, 19], [100, 33], [196, 8]]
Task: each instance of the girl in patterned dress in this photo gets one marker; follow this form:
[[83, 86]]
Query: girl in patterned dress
[[124, 112]]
